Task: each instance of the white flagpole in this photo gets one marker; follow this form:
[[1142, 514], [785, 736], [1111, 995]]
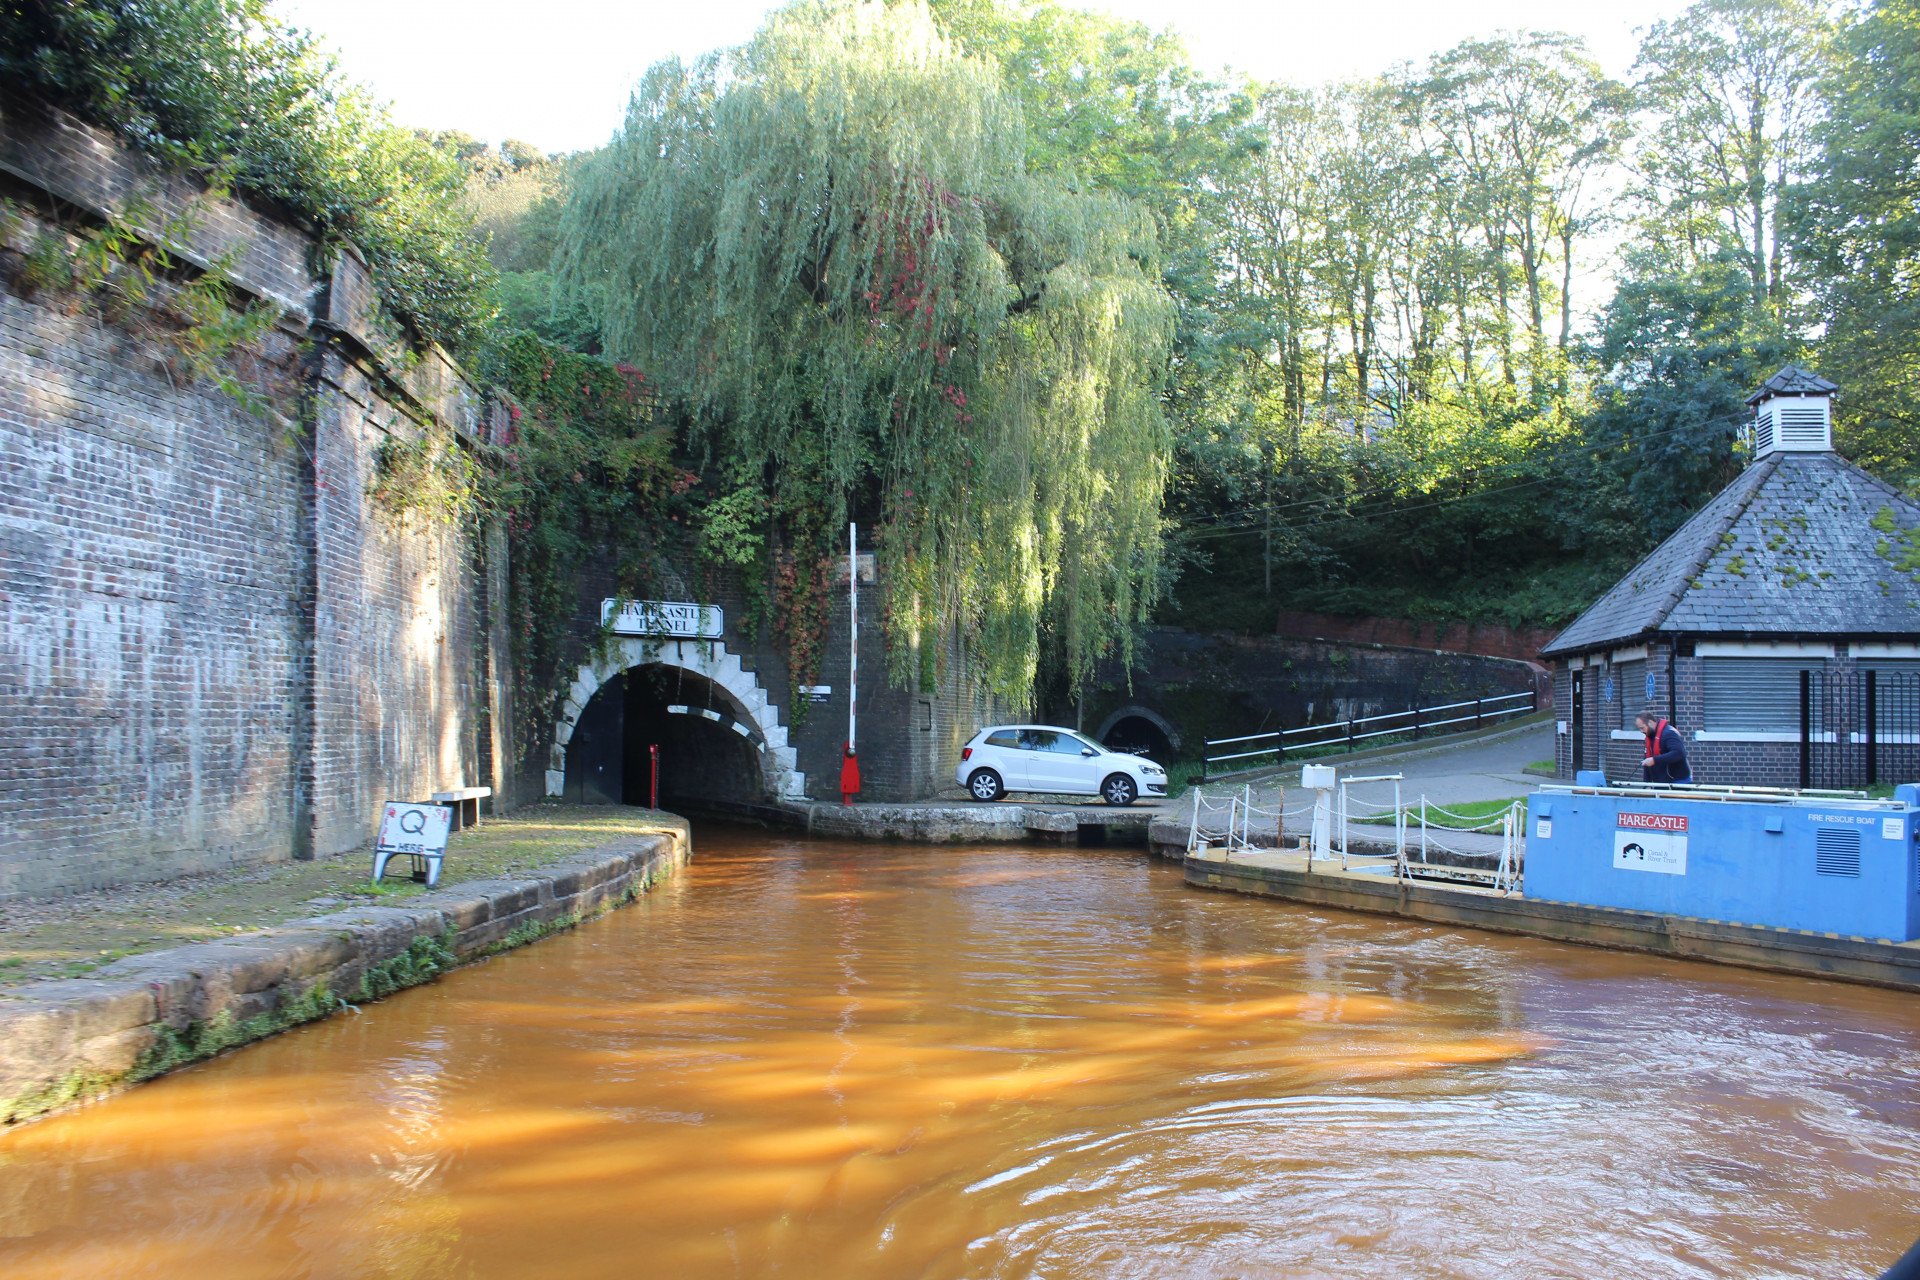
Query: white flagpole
[[853, 666]]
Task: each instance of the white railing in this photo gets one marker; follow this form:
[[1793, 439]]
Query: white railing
[[1419, 721], [1222, 826]]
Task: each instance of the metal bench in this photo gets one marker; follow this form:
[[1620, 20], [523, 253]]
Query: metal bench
[[458, 802]]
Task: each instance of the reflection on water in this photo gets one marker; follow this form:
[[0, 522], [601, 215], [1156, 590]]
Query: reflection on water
[[835, 1060]]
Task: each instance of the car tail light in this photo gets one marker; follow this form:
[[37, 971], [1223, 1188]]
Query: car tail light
[[966, 754]]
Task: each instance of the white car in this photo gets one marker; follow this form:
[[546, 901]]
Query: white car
[[1054, 761]]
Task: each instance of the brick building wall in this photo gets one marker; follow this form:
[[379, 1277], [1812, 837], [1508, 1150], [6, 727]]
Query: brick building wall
[[214, 649], [1715, 761]]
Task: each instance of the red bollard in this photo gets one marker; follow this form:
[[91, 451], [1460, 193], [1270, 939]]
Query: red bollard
[[849, 777], [653, 755]]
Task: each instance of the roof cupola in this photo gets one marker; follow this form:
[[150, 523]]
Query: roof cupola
[[1793, 413]]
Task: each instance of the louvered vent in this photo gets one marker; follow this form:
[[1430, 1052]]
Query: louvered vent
[[1797, 424], [1804, 426], [1836, 851]]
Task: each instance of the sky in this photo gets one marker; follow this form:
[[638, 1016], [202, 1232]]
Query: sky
[[558, 73]]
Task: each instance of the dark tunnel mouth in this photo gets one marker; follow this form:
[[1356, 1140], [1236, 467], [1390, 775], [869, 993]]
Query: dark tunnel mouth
[[1140, 736], [709, 749]]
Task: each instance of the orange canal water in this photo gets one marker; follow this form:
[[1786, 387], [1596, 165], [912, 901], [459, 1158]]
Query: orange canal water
[[813, 1059]]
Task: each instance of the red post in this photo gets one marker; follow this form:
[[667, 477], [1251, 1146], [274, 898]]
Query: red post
[[653, 756], [849, 777]]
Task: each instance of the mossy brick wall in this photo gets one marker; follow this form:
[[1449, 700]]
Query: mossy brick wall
[[214, 649]]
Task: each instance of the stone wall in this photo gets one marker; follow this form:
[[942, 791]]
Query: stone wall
[[215, 649], [1488, 639], [1195, 686]]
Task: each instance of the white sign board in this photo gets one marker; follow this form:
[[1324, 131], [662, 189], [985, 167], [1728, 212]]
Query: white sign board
[[663, 618], [414, 828], [1651, 842]]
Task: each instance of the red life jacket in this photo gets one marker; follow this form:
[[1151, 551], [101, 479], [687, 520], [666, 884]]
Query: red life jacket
[[1653, 739]]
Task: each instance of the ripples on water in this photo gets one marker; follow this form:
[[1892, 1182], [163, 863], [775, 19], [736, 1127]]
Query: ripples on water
[[858, 1061]]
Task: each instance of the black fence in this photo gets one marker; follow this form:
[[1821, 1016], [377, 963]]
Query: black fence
[[1859, 728], [1253, 750]]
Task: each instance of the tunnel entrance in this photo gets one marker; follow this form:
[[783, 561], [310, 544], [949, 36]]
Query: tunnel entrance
[[1139, 736], [707, 752]]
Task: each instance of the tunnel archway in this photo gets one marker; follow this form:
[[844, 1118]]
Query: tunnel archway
[[720, 734], [1141, 731]]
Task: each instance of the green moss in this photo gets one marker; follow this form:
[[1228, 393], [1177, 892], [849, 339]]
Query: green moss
[[174, 1048], [424, 960], [80, 1084]]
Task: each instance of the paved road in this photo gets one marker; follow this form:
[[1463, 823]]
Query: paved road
[[1478, 771]]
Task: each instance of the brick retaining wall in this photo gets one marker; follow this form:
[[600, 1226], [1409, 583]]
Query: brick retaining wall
[[215, 649]]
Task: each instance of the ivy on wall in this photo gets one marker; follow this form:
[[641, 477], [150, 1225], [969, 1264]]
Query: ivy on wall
[[587, 476]]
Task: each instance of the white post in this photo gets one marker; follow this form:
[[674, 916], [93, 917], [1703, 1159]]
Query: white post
[[1343, 824], [853, 611], [1423, 826], [1500, 879], [1246, 817], [1193, 830], [1399, 833]]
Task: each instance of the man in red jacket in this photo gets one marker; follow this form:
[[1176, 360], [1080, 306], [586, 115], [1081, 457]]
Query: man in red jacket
[[1666, 759]]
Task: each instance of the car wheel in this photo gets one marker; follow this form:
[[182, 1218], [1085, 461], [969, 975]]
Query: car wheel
[[1118, 789], [985, 785]]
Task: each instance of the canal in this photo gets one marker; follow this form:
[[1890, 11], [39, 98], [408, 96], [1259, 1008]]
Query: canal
[[813, 1059]]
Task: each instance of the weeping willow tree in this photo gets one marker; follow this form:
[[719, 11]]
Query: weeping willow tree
[[824, 246]]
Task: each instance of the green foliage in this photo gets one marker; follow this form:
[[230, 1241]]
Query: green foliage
[[587, 477], [219, 85], [136, 271], [1680, 350], [1857, 236], [828, 248]]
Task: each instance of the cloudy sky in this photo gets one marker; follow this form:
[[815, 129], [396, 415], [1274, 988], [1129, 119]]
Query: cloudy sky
[[558, 73]]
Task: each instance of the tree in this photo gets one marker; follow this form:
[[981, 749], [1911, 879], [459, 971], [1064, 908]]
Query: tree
[[1731, 86], [1681, 347], [1856, 222], [827, 247]]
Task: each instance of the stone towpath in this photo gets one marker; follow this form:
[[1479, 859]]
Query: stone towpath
[[72, 936]]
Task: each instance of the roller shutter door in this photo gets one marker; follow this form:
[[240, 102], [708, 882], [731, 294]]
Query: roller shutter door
[[1756, 695]]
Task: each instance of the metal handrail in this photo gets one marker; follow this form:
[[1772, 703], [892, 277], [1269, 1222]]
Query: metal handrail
[[1343, 730]]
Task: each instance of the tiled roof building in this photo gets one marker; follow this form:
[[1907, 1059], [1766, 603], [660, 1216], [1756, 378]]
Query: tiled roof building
[[1779, 628]]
